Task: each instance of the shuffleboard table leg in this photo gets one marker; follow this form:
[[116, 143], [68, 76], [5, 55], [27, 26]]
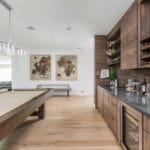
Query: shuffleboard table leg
[[42, 111]]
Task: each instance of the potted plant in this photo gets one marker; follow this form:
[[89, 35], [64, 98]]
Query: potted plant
[[113, 77]]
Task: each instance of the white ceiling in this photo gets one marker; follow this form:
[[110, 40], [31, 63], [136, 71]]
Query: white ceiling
[[51, 18]]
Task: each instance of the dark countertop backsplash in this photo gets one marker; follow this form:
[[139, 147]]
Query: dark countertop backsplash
[[138, 74]]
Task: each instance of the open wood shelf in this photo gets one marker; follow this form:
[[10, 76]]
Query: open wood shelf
[[145, 48], [145, 66], [114, 48], [115, 33], [146, 39], [116, 44], [145, 57], [114, 63], [142, 1]]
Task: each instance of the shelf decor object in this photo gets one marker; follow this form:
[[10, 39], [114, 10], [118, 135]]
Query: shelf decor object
[[113, 77], [113, 51], [104, 73], [112, 73]]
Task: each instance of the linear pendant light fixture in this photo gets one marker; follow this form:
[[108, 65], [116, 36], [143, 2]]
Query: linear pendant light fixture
[[6, 5], [7, 47]]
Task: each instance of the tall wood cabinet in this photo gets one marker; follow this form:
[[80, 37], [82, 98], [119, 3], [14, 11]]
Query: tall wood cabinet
[[144, 49], [145, 19], [129, 38]]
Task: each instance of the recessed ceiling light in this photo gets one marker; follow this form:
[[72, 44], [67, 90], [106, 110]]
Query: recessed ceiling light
[[30, 28], [68, 28]]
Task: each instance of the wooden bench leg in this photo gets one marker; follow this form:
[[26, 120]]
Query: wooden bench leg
[[42, 111]]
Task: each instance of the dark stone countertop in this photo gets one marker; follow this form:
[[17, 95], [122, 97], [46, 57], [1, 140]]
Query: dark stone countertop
[[138, 102]]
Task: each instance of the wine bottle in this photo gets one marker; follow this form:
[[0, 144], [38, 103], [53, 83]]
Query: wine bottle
[[143, 86]]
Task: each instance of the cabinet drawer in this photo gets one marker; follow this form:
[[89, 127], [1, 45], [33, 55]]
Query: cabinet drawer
[[114, 127], [114, 101], [107, 118], [113, 107], [146, 141], [100, 102], [101, 109], [146, 124], [114, 112]]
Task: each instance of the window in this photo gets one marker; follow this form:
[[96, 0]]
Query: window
[[5, 69], [5, 74]]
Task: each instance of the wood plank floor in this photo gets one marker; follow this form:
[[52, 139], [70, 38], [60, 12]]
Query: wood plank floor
[[70, 124]]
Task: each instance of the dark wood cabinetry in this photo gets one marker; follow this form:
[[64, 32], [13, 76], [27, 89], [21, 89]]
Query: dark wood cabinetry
[[130, 127], [132, 36], [144, 15], [134, 30], [100, 61], [108, 106], [129, 38], [113, 51], [145, 20], [146, 141], [114, 115]]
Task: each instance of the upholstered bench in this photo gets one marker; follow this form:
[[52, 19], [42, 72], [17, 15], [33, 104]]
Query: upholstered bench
[[56, 88]]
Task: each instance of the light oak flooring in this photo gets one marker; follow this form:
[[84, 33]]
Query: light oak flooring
[[71, 123]]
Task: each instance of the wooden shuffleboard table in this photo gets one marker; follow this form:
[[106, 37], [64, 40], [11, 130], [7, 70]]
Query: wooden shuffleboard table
[[17, 105]]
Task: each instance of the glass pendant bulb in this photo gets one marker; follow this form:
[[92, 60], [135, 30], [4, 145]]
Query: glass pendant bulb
[[8, 48]]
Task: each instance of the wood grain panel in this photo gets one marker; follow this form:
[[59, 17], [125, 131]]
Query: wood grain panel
[[146, 141], [100, 61], [100, 100], [129, 39], [139, 75], [114, 116], [146, 124], [145, 20]]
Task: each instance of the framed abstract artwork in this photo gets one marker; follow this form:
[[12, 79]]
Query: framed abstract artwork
[[40, 67], [66, 67]]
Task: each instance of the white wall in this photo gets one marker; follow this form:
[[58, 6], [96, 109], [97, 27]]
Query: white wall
[[83, 86]]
